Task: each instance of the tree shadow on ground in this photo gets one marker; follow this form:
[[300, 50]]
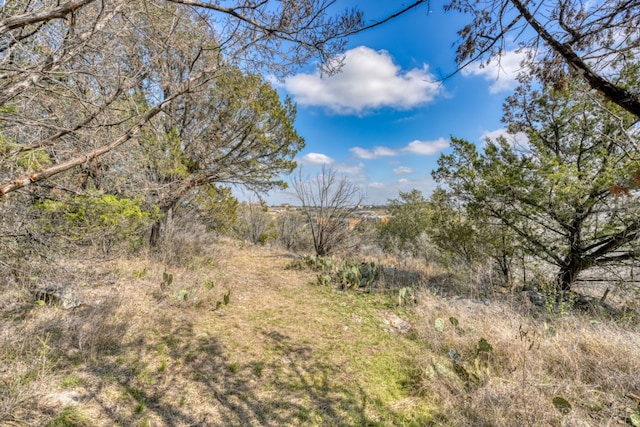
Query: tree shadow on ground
[[183, 379]]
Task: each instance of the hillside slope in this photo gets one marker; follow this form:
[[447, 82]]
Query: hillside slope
[[143, 351], [227, 335]]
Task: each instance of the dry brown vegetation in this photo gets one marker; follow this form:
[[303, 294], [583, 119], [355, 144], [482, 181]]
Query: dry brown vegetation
[[590, 362], [223, 334]]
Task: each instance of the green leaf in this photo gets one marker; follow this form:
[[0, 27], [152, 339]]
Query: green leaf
[[227, 297], [562, 405], [635, 420], [439, 324], [484, 346], [454, 321]]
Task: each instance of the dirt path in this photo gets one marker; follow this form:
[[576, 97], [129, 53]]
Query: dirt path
[[156, 345]]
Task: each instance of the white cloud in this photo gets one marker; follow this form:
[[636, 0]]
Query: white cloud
[[426, 148], [350, 169], [384, 151], [368, 80], [315, 159], [515, 139], [423, 148], [380, 192], [402, 170], [377, 152], [503, 71]]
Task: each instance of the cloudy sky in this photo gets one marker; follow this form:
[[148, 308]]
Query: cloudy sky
[[384, 120]]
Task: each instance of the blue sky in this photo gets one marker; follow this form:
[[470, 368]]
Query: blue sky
[[385, 119]]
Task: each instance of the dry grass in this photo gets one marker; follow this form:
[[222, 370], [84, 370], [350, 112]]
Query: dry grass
[[592, 364], [156, 345], [144, 351]]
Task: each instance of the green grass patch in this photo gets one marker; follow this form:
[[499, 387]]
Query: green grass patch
[[72, 380], [70, 417]]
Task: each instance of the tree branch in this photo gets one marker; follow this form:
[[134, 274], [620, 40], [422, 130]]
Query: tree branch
[[616, 94]]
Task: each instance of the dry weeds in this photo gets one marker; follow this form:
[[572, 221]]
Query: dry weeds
[[223, 335], [592, 364]]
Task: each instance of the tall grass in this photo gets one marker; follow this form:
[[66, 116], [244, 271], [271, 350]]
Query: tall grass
[[590, 363]]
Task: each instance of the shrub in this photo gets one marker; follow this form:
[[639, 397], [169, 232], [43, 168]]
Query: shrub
[[99, 219]]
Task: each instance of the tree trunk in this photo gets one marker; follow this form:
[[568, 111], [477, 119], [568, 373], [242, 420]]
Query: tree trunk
[[159, 229], [567, 275], [167, 205]]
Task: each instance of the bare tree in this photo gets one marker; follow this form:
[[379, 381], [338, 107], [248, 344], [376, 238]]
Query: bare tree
[[75, 77], [105, 88], [254, 223], [328, 202], [561, 38]]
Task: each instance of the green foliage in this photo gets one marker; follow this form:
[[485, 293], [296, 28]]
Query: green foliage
[[483, 347], [70, 417], [226, 298], [165, 155], [209, 284], [557, 302], [350, 274], [249, 106], [562, 196], [409, 219], [240, 131], [139, 397], [167, 280], [237, 130], [473, 371], [466, 236], [319, 263], [441, 229], [472, 377], [258, 369], [407, 296], [469, 378], [71, 381], [315, 263], [103, 219], [353, 274], [562, 405], [217, 206], [138, 274], [23, 158], [324, 279], [264, 238]]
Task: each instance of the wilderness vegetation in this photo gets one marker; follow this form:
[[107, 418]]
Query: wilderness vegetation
[[137, 290]]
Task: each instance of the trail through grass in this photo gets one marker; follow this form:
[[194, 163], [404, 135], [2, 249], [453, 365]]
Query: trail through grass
[[281, 352], [228, 336]]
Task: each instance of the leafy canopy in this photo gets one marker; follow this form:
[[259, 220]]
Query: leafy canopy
[[557, 192]]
